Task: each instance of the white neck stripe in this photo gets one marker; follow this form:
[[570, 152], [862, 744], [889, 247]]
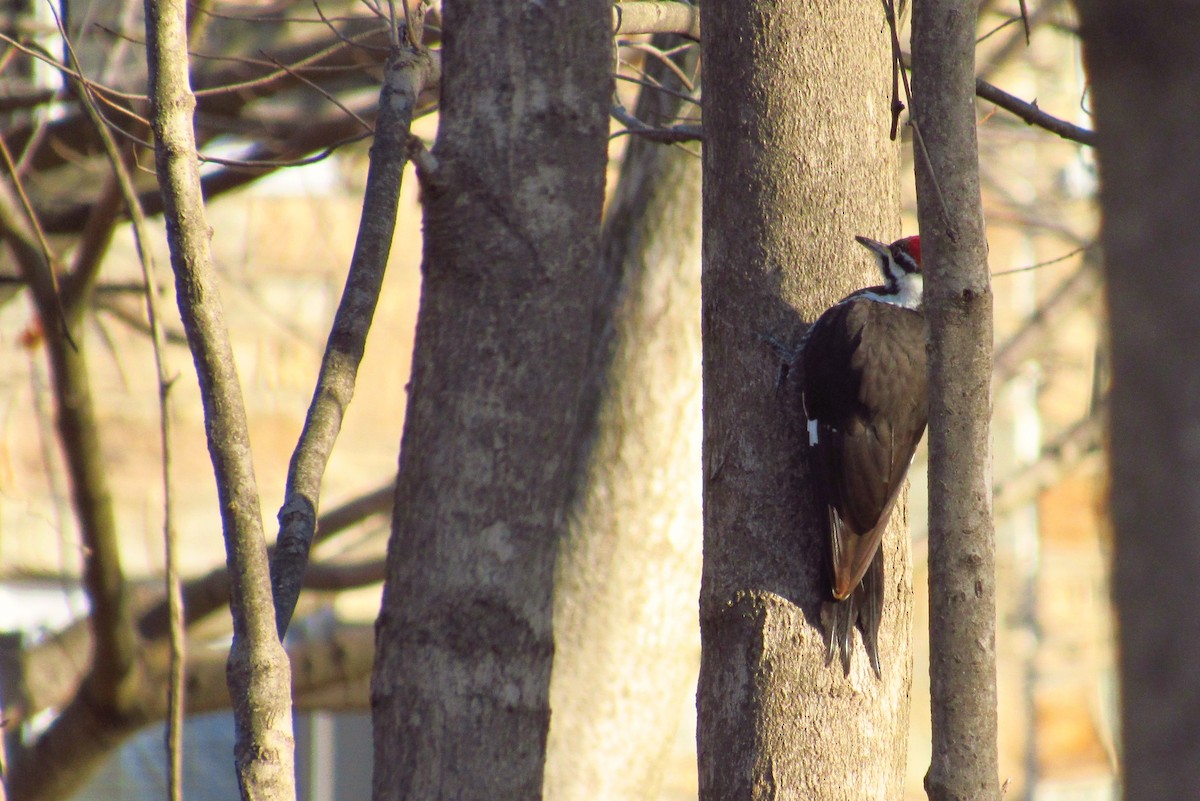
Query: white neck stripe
[[908, 295]]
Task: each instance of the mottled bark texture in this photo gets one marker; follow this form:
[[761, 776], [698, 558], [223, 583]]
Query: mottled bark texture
[[1144, 72], [628, 573], [258, 671], [460, 691], [797, 161], [958, 308]]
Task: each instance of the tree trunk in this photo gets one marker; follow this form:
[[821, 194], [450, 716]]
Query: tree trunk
[[460, 692], [1144, 71], [958, 307], [797, 162], [625, 595]]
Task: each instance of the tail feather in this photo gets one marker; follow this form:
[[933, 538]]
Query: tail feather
[[864, 607]]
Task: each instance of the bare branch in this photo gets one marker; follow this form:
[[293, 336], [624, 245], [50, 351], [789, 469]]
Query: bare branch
[[658, 88], [1016, 41], [1043, 264], [407, 72], [330, 668], [897, 107], [327, 95], [1029, 112], [208, 593], [662, 58], [112, 675], [1033, 115], [648, 16], [127, 191], [37, 263], [671, 134], [337, 577]]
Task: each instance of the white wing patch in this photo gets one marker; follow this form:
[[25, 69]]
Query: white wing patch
[[813, 435]]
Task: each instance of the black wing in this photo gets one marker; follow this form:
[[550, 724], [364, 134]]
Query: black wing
[[865, 399]]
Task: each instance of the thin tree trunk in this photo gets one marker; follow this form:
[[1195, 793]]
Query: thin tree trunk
[[259, 674], [460, 691], [625, 594], [1144, 70], [958, 306], [797, 161]]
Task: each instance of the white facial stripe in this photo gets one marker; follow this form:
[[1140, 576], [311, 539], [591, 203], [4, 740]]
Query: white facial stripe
[[893, 269], [909, 296]]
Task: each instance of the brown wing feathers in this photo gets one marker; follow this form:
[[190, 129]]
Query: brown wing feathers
[[859, 363]]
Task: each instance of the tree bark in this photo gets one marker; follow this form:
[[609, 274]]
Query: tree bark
[[958, 308], [460, 691], [1144, 71], [628, 573], [797, 161], [258, 671]]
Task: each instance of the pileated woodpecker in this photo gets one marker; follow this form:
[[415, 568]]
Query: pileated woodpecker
[[864, 397]]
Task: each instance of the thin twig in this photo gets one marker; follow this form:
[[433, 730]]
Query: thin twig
[[252, 164], [1016, 41], [673, 134], [997, 29], [35, 227], [1047, 263], [141, 238], [374, 9], [663, 58], [329, 24], [41, 55], [325, 94], [898, 56], [658, 88], [1030, 339], [240, 87]]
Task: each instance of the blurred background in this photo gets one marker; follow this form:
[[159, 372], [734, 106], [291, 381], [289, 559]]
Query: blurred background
[[282, 241]]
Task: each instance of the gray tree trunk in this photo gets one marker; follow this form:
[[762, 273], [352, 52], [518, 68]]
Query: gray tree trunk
[[797, 161], [460, 691], [958, 307], [628, 574], [1144, 70]]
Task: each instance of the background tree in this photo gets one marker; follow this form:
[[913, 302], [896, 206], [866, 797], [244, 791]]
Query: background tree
[[628, 572], [1144, 88], [255, 99], [311, 67], [461, 687]]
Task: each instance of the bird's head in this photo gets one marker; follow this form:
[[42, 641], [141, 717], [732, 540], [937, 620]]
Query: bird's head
[[900, 263]]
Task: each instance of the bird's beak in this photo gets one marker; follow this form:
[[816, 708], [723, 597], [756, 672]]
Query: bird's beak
[[878, 248]]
